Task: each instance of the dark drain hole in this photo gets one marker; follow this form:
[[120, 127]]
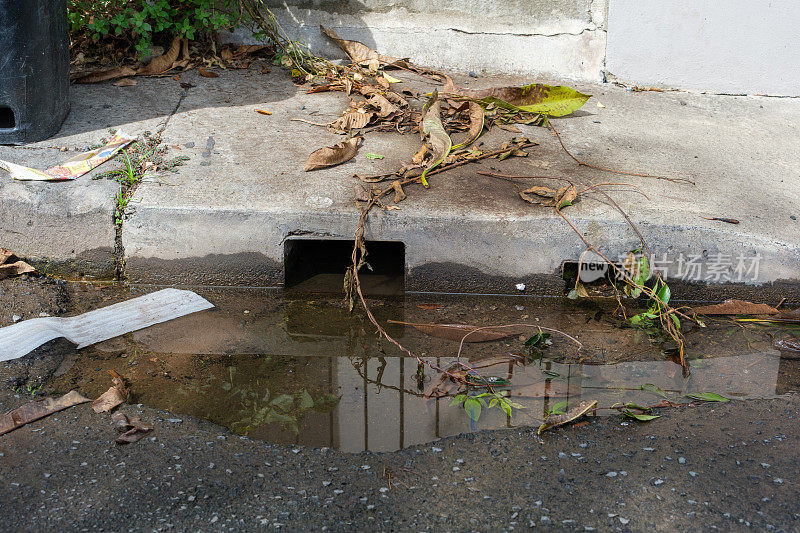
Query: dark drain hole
[[7, 120], [319, 265]]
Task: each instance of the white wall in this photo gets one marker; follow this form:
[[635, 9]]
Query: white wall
[[730, 46]]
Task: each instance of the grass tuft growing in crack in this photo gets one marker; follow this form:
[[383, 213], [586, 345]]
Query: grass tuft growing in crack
[[141, 160]]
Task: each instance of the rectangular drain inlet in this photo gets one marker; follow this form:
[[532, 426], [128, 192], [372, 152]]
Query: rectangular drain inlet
[[318, 265]]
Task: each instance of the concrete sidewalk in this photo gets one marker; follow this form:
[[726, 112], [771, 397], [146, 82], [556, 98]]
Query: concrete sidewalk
[[224, 217]]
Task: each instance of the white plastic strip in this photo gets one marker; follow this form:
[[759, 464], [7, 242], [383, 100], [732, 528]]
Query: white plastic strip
[[102, 324]]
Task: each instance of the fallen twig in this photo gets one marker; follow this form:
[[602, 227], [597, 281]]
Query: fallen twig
[[589, 165]]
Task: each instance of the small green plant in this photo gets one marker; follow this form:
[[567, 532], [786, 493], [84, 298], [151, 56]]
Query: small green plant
[[474, 404], [558, 408], [28, 390], [537, 344], [139, 161], [138, 21], [119, 210]]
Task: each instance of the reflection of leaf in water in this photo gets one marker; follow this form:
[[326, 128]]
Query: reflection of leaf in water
[[285, 409], [283, 402], [305, 401], [326, 403]]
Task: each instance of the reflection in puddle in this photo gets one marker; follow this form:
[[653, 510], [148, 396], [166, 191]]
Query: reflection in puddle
[[304, 371]]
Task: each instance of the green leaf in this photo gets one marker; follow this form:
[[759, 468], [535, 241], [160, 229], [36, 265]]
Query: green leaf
[[663, 293], [283, 402], [374, 156], [549, 100], [458, 400], [639, 416], [305, 401], [515, 405], [559, 408], [473, 408], [631, 405], [578, 292], [649, 387], [707, 397]]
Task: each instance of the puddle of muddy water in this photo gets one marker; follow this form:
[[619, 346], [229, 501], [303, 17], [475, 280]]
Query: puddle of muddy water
[[299, 369]]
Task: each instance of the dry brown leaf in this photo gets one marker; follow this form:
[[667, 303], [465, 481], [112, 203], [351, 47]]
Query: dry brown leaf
[[395, 98], [39, 409], [476, 117], [363, 54], [207, 73], [106, 75], [511, 128], [333, 155], [573, 414], [361, 193], [353, 119], [548, 197], [12, 269], [456, 332], [566, 196], [159, 64], [125, 82], [247, 49], [385, 107], [430, 307], [419, 157], [114, 396], [399, 195], [132, 429], [736, 307]]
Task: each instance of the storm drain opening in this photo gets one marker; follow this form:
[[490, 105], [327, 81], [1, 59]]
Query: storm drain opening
[[318, 265], [7, 119]]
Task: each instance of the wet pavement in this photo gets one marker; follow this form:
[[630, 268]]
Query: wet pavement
[[282, 410]]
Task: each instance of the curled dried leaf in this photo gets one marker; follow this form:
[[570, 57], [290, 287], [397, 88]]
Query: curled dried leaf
[[353, 118], [363, 54], [163, 62], [333, 155], [573, 414], [207, 73], [125, 82], [385, 107], [106, 75], [32, 411], [434, 132], [399, 194], [476, 117]]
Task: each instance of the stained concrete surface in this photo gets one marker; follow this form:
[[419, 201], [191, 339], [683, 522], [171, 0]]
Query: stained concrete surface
[[67, 228], [223, 217], [243, 190]]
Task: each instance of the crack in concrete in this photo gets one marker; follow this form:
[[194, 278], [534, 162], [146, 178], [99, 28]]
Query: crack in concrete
[[127, 192], [513, 34]]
